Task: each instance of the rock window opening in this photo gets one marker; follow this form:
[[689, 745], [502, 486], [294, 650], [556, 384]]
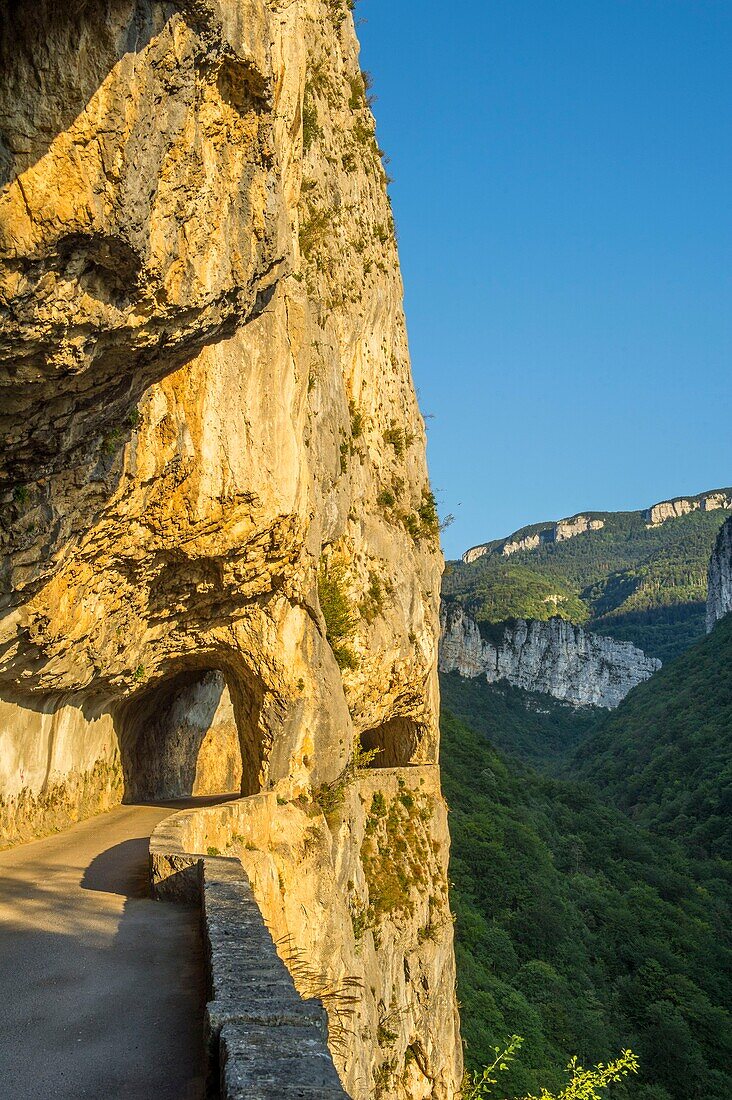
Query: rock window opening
[[397, 741]]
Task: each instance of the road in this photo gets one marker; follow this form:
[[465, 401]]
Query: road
[[101, 988]]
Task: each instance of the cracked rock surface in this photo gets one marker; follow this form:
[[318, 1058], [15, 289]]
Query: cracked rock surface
[[206, 407], [719, 577]]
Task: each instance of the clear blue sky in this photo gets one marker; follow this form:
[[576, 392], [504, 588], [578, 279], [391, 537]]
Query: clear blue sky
[[563, 198]]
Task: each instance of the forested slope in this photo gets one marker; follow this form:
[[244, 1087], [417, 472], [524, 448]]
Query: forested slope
[[582, 932], [665, 755], [640, 583], [532, 727]]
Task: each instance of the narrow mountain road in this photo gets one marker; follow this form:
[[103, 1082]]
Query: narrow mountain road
[[101, 988]]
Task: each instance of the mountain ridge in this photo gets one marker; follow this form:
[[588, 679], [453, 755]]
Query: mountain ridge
[[638, 576], [580, 523]]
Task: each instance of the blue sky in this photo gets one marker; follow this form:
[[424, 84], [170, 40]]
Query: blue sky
[[563, 200]]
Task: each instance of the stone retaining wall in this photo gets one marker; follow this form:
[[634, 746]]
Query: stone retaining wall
[[263, 1040]]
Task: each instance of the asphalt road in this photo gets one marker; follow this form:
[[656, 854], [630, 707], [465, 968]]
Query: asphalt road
[[101, 988]]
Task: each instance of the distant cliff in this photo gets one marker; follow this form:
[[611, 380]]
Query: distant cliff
[[719, 578], [533, 537], [681, 506], [637, 576], [553, 657]]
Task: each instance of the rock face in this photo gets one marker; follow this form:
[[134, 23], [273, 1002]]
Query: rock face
[[554, 532], [210, 438], [577, 525], [553, 657], [342, 895], [719, 578], [681, 506]]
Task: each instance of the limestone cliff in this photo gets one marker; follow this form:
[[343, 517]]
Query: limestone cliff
[[215, 506], [681, 506], [540, 535], [533, 538], [554, 657], [719, 578]]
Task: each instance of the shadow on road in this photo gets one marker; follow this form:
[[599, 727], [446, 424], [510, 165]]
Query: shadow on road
[[102, 987], [122, 869]]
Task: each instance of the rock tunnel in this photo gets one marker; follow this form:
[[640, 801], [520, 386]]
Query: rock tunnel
[[192, 733]]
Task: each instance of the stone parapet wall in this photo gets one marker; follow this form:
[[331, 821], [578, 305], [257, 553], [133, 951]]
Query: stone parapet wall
[[263, 1040], [335, 894]]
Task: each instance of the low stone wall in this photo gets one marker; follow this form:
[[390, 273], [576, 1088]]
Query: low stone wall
[[342, 891], [263, 1040]]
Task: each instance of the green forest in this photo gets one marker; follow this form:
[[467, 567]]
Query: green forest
[[582, 932], [665, 755], [630, 581], [592, 876], [536, 728]]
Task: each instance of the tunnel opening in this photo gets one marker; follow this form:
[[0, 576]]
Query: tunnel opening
[[395, 743], [192, 733]]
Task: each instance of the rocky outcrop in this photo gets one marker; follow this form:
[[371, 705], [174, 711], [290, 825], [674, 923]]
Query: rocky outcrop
[[719, 577], [476, 552], [577, 525], [350, 918], [668, 509], [554, 657], [211, 441], [560, 531], [512, 546], [681, 506]]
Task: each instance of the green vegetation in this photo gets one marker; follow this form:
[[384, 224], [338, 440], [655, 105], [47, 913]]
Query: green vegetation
[[396, 853], [665, 755], [358, 420], [338, 10], [582, 932], [311, 130], [536, 728], [508, 590], [373, 601], [584, 1084], [339, 612], [313, 230], [360, 84], [328, 797], [642, 584], [422, 523], [429, 520], [112, 441], [425, 522], [397, 438]]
